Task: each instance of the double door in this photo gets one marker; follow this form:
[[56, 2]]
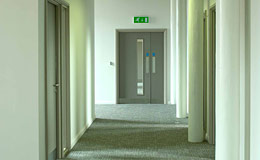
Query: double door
[[141, 68]]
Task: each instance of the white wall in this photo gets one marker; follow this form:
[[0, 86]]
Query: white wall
[[206, 4], [90, 13], [212, 2], [255, 79], [41, 58], [118, 14], [82, 66], [22, 105], [19, 79]]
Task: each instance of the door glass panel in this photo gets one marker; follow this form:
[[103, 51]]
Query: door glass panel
[[140, 68]]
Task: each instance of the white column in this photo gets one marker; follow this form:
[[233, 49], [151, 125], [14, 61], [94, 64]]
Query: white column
[[195, 69], [173, 53], [255, 79], [228, 80], [181, 59]]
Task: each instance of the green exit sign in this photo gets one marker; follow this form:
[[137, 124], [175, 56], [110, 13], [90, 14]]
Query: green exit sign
[[141, 19]]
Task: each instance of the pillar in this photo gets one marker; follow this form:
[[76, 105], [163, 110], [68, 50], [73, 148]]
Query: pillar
[[195, 70], [254, 36], [228, 80], [173, 53], [181, 59]]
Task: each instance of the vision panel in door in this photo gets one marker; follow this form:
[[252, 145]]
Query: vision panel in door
[[134, 68], [157, 68]]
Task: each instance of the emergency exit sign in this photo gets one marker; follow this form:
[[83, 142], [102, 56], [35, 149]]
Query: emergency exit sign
[[141, 19]]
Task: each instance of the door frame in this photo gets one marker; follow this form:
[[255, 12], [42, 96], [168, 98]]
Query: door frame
[[205, 73], [61, 153], [117, 53], [212, 78]]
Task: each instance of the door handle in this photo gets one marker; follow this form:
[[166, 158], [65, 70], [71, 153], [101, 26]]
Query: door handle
[[147, 63], [154, 63], [56, 85]]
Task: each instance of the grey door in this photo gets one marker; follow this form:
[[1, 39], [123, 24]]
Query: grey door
[[157, 69], [65, 82], [52, 79], [57, 79], [141, 68]]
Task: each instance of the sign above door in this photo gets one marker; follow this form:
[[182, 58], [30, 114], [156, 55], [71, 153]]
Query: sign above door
[[141, 19]]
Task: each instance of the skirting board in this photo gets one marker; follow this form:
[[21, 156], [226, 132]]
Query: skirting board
[[105, 102], [80, 134]]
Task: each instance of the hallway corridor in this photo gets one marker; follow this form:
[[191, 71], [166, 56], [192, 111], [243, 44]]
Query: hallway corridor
[[147, 132]]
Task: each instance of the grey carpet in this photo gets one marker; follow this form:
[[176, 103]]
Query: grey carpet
[[131, 132]]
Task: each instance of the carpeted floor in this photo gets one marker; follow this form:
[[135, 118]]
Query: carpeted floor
[[145, 132]]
